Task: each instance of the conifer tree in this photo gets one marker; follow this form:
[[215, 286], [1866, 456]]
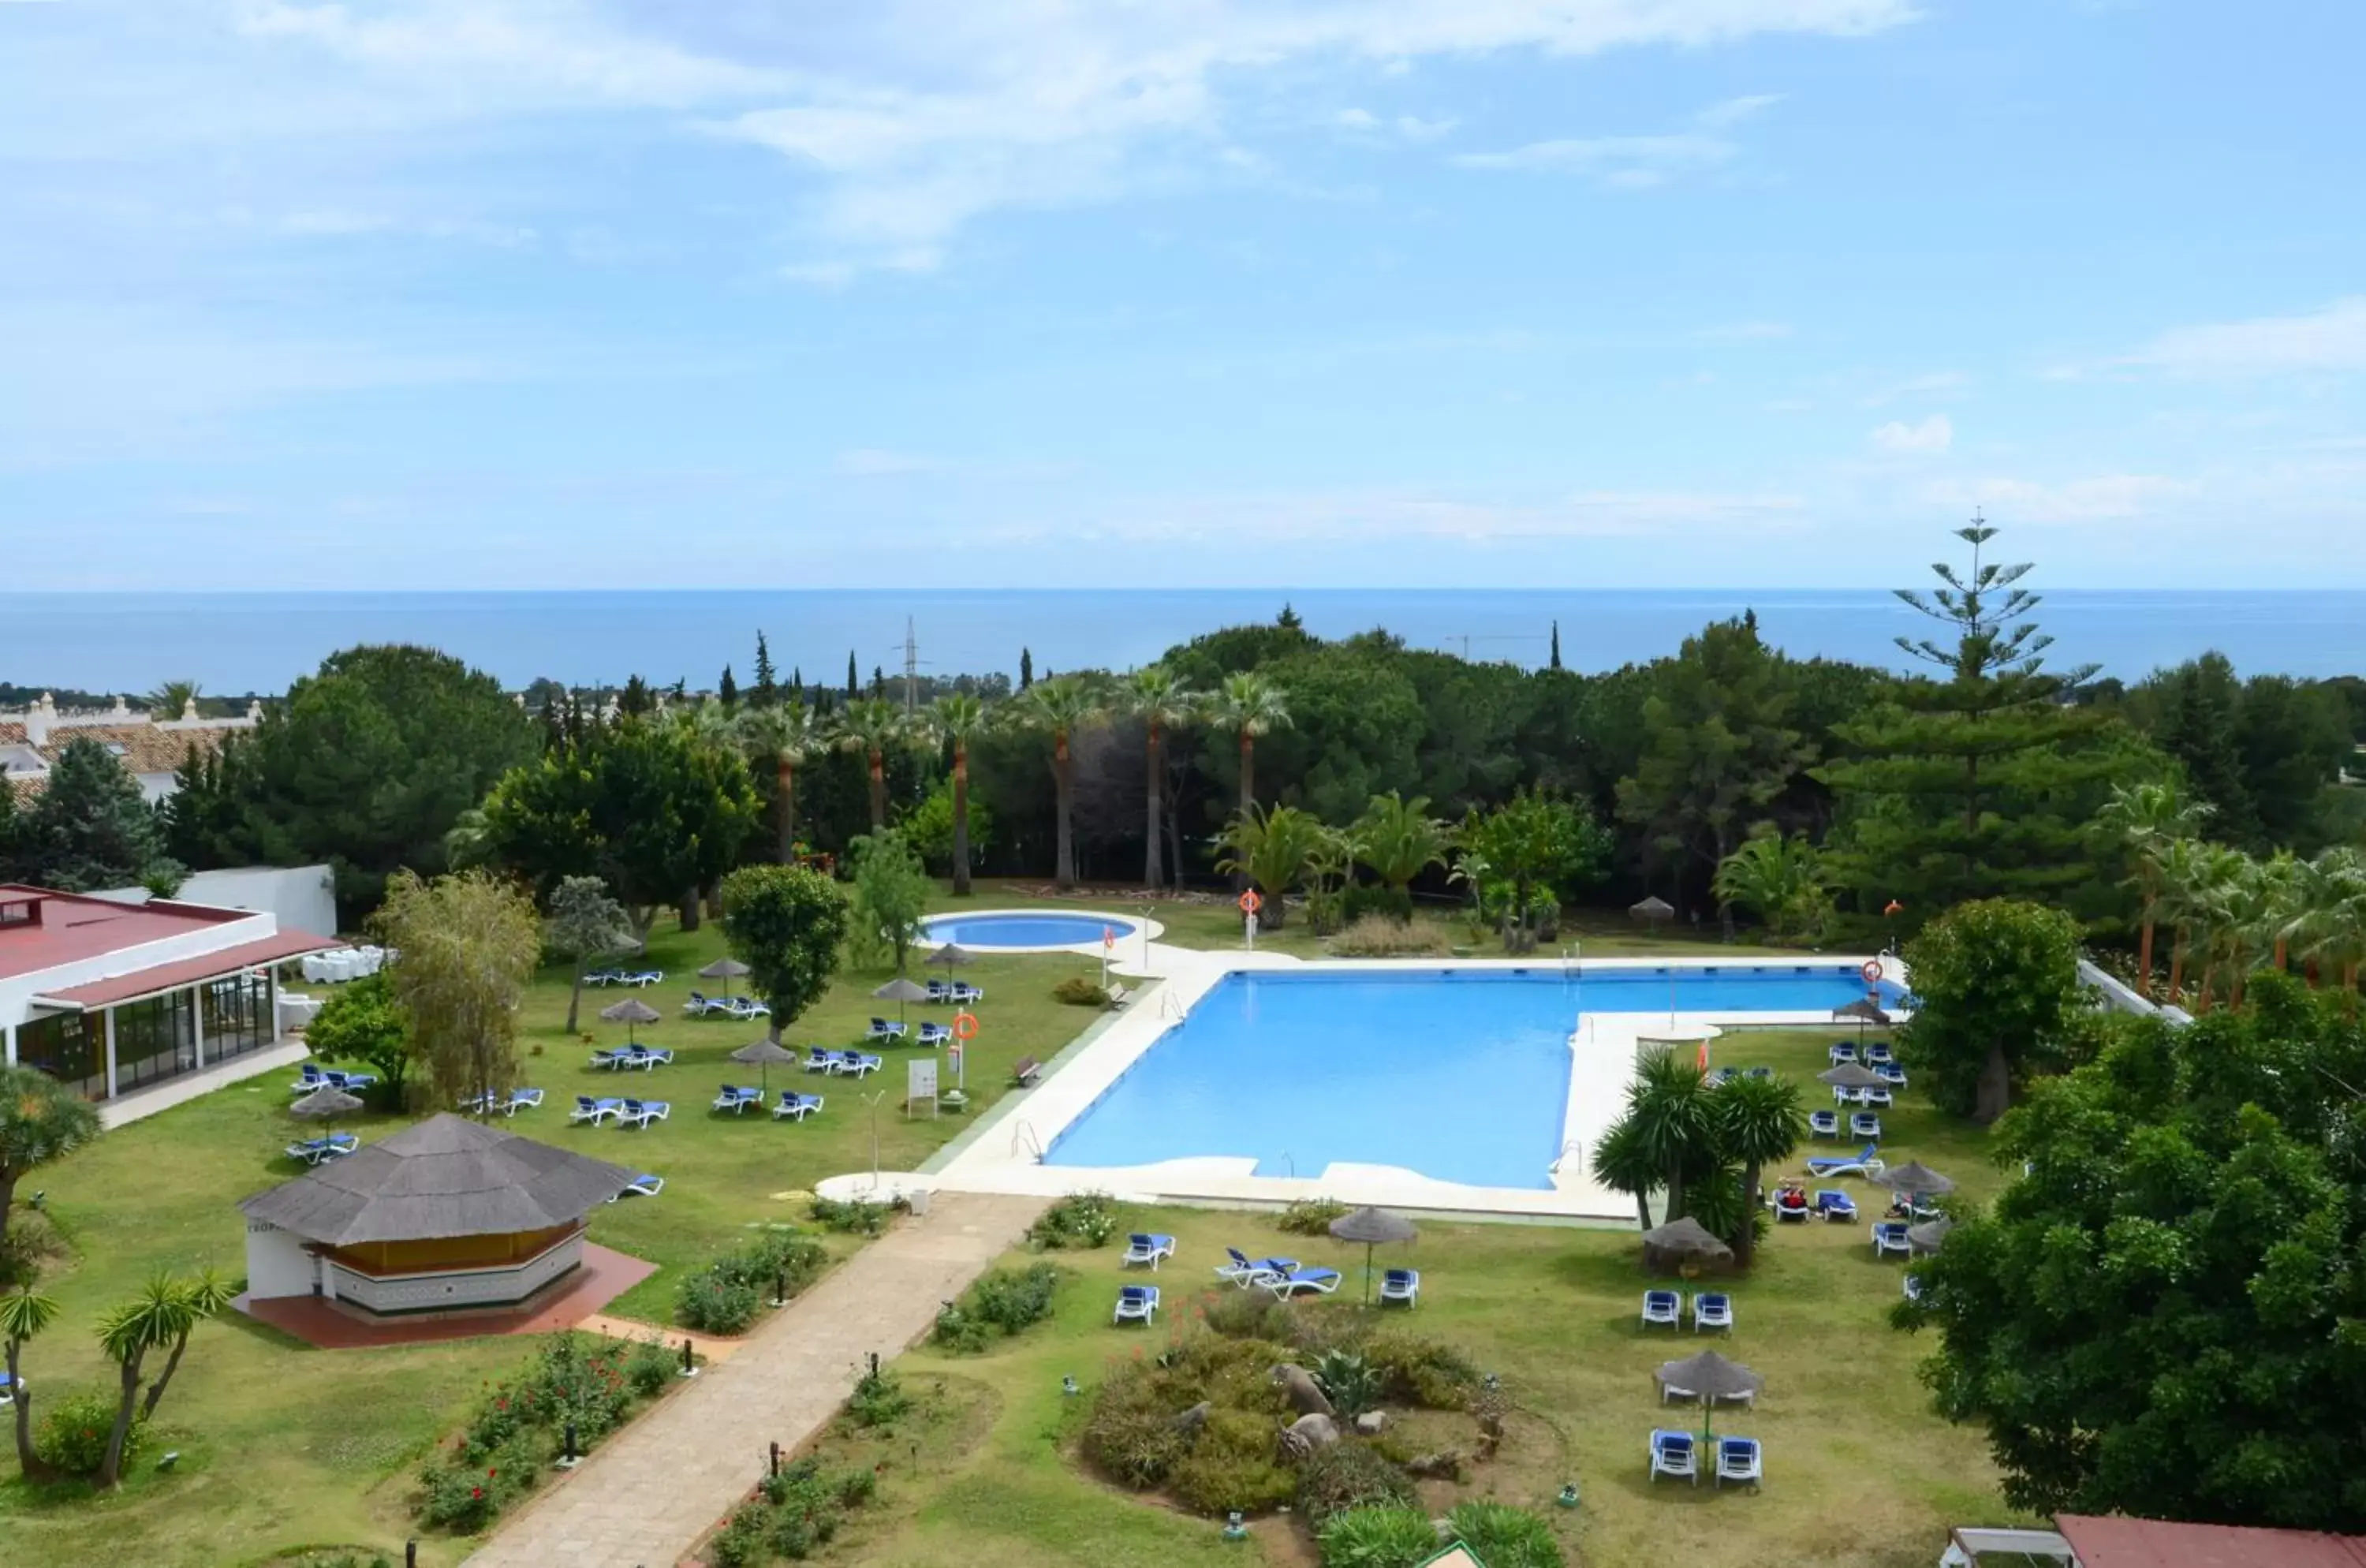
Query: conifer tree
[[727, 691], [1978, 783], [766, 693]]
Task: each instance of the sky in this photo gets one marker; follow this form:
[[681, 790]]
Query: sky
[[494, 294]]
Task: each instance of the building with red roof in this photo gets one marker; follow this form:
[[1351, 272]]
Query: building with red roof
[[112, 997]]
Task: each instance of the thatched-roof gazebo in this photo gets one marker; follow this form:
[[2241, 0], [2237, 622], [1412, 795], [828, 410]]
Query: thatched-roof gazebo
[[448, 1215]]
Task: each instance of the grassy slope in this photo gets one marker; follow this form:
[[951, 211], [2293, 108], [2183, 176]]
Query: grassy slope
[[282, 1444]]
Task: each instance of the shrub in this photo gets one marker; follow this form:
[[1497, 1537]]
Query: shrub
[[1378, 1537], [878, 1400], [1384, 936], [1504, 1537], [1081, 991], [1006, 1299], [1370, 901], [1232, 1464], [850, 1219], [1079, 1220], [741, 1543], [712, 1305], [1427, 1372], [1246, 1314], [651, 1369], [1311, 1216], [1348, 1474], [1134, 1446], [467, 1494], [75, 1430], [1348, 1381]]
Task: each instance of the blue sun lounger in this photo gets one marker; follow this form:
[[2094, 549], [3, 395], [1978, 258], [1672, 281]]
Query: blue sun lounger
[[641, 1112], [1672, 1455], [594, 1110], [884, 1028], [736, 1098], [1737, 1460], [1136, 1303], [820, 1059], [798, 1106], [935, 1034], [642, 1186], [855, 1063], [1866, 1162], [1401, 1285], [1865, 1124], [1662, 1307], [1712, 1309], [1889, 1236], [1835, 1204], [1316, 1281], [1144, 1248], [312, 1151], [1241, 1271], [1823, 1124]]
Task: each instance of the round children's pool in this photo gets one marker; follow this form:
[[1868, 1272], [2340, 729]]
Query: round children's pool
[[1026, 930]]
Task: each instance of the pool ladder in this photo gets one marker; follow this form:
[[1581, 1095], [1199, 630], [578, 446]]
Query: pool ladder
[[1569, 1146], [1024, 1141]]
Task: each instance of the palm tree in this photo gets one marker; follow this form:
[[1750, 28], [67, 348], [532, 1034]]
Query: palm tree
[[1271, 848], [2148, 818], [2281, 884], [871, 726], [1249, 705], [172, 700], [1669, 1102], [161, 1313], [960, 718], [2330, 931], [1398, 838], [1061, 705], [22, 1316], [2185, 898], [1781, 878], [1156, 696], [785, 735], [1759, 1122], [1623, 1164], [1329, 865], [2216, 903]]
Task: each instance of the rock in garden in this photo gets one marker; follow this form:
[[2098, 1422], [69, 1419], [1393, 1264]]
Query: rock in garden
[[1191, 1420], [1446, 1465], [1306, 1396], [1372, 1423], [1309, 1433]]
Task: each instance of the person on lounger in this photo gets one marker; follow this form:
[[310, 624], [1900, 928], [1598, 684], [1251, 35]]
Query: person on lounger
[[1791, 1198]]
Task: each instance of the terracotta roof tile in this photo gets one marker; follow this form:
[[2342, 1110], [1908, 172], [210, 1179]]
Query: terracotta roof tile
[[145, 747]]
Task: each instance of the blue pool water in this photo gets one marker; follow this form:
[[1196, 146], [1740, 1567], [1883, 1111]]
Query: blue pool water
[[1460, 1075], [1023, 931]]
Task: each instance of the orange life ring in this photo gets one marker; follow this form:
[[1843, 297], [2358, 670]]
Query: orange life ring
[[1250, 903], [964, 1025], [1872, 972]]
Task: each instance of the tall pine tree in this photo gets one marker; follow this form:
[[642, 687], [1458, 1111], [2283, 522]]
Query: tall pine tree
[[1980, 782], [1554, 663], [854, 682], [1026, 668], [727, 691], [766, 693], [90, 828]]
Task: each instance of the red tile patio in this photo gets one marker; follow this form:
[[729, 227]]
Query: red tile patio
[[603, 1277]]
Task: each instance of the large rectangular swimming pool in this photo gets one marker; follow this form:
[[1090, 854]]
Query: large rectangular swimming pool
[[1461, 1075]]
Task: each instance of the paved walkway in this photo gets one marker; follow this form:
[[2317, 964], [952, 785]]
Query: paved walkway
[[649, 1493]]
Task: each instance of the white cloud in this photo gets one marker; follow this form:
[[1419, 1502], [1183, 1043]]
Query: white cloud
[[2332, 340], [1365, 125], [1745, 332], [916, 116], [1636, 162], [1929, 438], [875, 462]]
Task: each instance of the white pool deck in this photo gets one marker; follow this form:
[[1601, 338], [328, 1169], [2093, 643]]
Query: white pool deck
[[1004, 1153]]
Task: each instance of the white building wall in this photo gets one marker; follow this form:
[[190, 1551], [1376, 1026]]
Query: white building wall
[[17, 991], [277, 1263]]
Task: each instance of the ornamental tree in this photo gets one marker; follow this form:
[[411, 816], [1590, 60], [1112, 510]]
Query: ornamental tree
[[1996, 989], [363, 1022], [786, 924], [41, 1119], [891, 889], [2162, 1317], [584, 924], [469, 942]]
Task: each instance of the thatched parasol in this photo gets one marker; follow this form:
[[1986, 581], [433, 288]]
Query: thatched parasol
[[1372, 1226], [1851, 1075], [1930, 1235], [724, 969], [631, 1012], [761, 1056], [1682, 1241], [328, 1102], [899, 990], [1917, 1180], [1865, 1010], [1712, 1377], [952, 955], [1654, 910]]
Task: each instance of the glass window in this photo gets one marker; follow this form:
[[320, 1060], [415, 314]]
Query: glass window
[[237, 1015], [155, 1038], [70, 1048]]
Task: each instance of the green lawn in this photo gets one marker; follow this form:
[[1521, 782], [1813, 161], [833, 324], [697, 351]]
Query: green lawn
[[1859, 1473], [283, 1446]]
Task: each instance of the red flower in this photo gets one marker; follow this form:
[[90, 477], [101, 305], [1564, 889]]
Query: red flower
[[490, 1473], [476, 1493]]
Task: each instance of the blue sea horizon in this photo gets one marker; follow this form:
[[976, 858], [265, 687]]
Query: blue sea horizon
[[261, 641]]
